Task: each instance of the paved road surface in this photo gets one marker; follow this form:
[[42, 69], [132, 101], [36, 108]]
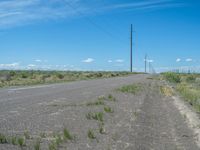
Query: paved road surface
[[145, 121]]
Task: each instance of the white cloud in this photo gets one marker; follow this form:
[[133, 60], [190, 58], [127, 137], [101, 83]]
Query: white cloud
[[38, 60], [110, 61], [119, 60], [188, 60], [14, 65], [150, 60], [178, 60], [88, 60], [31, 65]]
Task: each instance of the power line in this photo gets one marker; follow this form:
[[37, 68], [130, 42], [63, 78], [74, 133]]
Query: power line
[[90, 20]]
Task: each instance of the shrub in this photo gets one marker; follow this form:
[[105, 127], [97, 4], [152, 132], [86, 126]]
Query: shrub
[[172, 77], [60, 76], [190, 78]]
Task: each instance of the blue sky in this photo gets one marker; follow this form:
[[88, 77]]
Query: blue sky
[[94, 34]]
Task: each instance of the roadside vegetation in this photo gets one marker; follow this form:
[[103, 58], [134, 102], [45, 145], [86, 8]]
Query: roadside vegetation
[[17, 78], [133, 88], [187, 85]]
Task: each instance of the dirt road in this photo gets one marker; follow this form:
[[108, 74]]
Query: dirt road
[[143, 121]]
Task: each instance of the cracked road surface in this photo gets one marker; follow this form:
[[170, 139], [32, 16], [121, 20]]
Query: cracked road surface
[[144, 121]]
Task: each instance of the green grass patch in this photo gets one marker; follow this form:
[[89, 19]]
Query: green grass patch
[[3, 139], [98, 102], [111, 97], [108, 109], [21, 141], [133, 88], [67, 135], [95, 116]]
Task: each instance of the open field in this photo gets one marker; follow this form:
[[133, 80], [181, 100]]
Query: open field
[[19, 78], [187, 85], [122, 113]]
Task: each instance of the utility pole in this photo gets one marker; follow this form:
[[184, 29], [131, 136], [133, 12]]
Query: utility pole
[[145, 59], [131, 53]]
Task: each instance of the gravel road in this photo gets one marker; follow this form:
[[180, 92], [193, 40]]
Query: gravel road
[[142, 121]]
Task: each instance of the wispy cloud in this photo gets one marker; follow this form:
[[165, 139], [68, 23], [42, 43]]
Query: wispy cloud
[[110, 61], [119, 60], [21, 12], [178, 60], [188, 60], [38, 60], [145, 4], [88, 60]]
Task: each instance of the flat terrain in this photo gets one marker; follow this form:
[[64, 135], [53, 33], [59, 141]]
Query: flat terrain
[[146, 120]]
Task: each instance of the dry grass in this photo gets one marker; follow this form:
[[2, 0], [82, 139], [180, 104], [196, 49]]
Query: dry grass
[[166, 91]]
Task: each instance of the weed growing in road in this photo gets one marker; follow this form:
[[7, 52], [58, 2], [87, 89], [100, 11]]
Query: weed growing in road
[[67, 135], [95, 103], [129, 89], [52, 146], [101, 98], [42, 135], [91, 134], [14, 140], [3, 139], [27, 135], [111, 97], [58, 140], [37, 144], [101, 128], [108, 109], [21, 141], [96, 116]]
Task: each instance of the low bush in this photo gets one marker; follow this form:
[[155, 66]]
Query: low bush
[[172, 77]]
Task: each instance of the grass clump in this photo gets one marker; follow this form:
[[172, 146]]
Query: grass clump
[[166, 91], [95, 116], [58, 140], [21, 141], [91, 134], [108, 109], [3, 139], [67, 135], [101, 98], [95, 103], [27, 135], [37, 144], [52, 146], [14, 140], [130, 89], [101, 128], [111, 97]]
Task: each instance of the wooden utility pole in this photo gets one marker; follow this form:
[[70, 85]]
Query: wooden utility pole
[[131, 53]]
